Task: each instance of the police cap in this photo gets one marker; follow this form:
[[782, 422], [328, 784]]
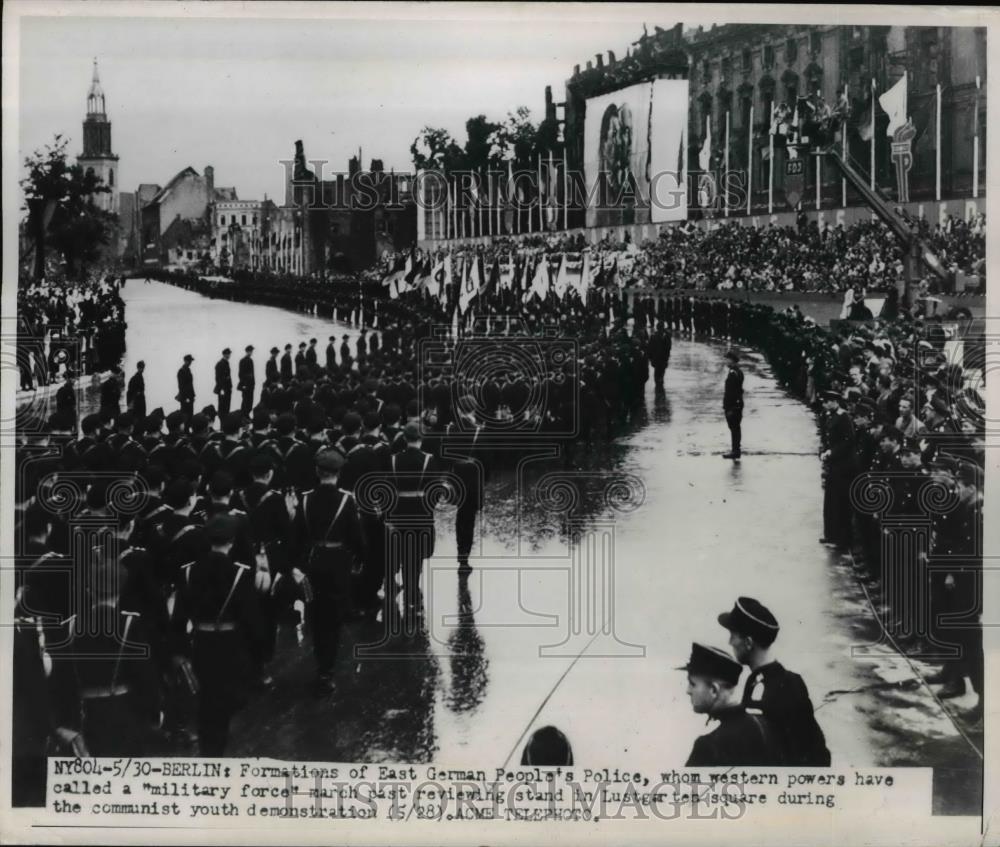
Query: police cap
[[714, 663], [751, 617], [411, 432], [222, 528], [274, 350], [330, 460]]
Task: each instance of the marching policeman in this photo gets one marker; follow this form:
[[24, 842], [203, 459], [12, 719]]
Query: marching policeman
[[247, 381], [461, 440], [740, 738], [286, 364], [224, 382], [778, 694], [218, 595], [410, 524], [329, 531], [135, 393], [732, 403], [185, 386]]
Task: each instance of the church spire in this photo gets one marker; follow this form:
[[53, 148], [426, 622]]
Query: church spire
[[95, 99]]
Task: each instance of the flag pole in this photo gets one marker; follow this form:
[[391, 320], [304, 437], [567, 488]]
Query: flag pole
[[552, 200], [725, 171], [750, 161], [770, 164], [479, 207], [975, 144], [565, 189], [843, 152], [539, 193], [937, 147], [489, 196], [871, 143]]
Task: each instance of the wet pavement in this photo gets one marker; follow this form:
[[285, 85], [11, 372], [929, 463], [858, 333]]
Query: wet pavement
[[580, 607]]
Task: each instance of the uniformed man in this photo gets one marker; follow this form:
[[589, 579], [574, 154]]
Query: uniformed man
[[840, 467], [247, 381], [778, 694], [331, 354], [135, 394], [286, 364], [185, 386], [328, 531], [740, 738], [271, 372], [658, 351], [460, 441], [732, 404], [219, 601], [345, 351], [66, 395], [311, 354], [224, 382], [301, 363]]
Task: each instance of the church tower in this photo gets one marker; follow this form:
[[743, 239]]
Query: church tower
[[97, 155]]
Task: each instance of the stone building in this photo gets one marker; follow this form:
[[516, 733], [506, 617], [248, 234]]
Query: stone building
[[236, 234], [744, 69]]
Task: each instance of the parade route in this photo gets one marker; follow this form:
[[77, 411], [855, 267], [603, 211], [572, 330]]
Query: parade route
[[512, 648]]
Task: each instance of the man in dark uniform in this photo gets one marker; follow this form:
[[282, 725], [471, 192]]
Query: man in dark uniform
[[247, 381], [224, 382], [111, 395], [732, 404], [778, 694], [301, 363], [185, 386], [740, 738], [345, 351], [410, 525], [459, 450], [329, 533], [271, 372], [135, 394], [66, 395], [363, 345], [286, 364], [658, 351], [839, 457], [311, 356], [219, 602]]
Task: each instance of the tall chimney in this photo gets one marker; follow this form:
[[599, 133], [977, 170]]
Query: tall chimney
[[210, 182]]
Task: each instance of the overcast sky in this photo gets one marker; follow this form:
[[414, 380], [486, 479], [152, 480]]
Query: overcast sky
[[237, 93]]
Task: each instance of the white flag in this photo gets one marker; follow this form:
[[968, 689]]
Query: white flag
[[705, 156], [562, 279], [893, 103]]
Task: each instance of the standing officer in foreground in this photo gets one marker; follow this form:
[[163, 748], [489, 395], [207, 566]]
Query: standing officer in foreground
[[247, 381], [732, 403], [135, 393], [740, 738], [328, 528], [220, 604], [224, 382], [780, 695], [658, 351], [185, 386]]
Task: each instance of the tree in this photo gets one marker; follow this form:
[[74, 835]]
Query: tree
[[477, 146], [514, 140], [61, 212], [435, 149]]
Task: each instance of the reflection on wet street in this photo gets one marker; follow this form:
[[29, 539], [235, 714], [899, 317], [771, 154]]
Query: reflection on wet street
[[591, 578]]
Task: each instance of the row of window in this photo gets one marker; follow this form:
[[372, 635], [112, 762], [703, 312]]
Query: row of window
[[243, 220], [791, 54]]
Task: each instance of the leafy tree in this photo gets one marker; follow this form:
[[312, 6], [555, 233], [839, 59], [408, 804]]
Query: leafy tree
[[435, 149], [61, 212], [477, 148]]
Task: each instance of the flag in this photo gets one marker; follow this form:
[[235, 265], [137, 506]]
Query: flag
[[893, 103], [492, 285], [470, 286], [600, 278], [436, 279], [584, 281], [562, 279], [540, 282], [705, 156], [398, 269], [447, 289]]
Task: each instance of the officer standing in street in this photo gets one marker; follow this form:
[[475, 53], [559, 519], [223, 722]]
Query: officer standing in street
[[658, 351], [329, 531], [185, 386], [271, 372], [778, 694], [135, 394], [286, 364], [732, 404], [247, 381], [740, 738], [224, 383], [461, 440], [840, 467]]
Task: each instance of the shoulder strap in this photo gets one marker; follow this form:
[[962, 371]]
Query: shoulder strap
[[240, 570]]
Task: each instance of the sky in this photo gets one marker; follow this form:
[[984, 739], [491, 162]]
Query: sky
[[237, 93]]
